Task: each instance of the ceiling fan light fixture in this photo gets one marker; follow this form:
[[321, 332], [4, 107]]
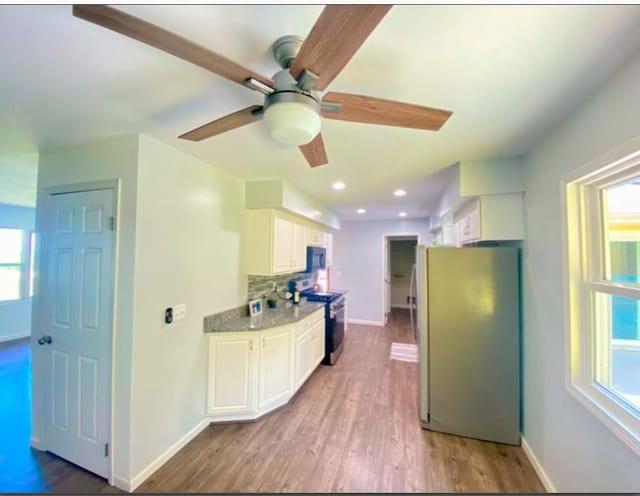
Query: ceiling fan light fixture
[[292, 118]]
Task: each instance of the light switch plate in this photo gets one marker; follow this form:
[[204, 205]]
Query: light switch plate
[[179, 311]]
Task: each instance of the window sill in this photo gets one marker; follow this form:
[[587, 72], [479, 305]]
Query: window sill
[[13, 302], [614, 414]]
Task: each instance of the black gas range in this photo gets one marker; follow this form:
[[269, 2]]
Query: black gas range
[[335, 313]]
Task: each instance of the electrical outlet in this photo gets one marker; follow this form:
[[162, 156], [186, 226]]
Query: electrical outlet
[[179, 311]]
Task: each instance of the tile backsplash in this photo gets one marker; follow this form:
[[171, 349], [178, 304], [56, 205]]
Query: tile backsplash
[[260, 286]]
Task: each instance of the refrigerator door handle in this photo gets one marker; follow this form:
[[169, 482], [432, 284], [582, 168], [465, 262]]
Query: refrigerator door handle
[[411, 297]]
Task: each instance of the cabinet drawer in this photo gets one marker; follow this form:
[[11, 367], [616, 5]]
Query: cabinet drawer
[[308, 322]]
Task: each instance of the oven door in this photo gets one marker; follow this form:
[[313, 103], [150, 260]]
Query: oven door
[[335, 332]]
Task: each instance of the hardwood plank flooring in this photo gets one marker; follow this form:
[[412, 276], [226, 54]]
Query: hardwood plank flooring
[[352, 427]]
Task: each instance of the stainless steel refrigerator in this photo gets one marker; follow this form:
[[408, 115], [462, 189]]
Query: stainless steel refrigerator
[[467, 325]]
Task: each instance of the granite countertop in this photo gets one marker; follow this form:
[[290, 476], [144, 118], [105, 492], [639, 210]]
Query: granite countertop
[[341, 291], [237, 320]]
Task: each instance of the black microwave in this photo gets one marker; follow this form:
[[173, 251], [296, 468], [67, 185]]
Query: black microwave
[[316, 258]]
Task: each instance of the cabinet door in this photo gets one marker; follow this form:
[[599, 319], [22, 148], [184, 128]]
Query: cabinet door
[[458, 230], [275, 383], [314, 237], [282, 244], [303, 358], [298, 247], [328, 244], [317, 344], [232, 374], [474, 223]]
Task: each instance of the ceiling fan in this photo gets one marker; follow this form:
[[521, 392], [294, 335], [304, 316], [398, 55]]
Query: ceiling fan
[[293, 99]]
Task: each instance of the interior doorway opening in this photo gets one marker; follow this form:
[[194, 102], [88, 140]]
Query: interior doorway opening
[[399, 257]]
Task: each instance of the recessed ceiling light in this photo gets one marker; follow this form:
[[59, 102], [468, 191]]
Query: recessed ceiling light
[[399, 192], [402, 214], [361, 211], [339, 185]]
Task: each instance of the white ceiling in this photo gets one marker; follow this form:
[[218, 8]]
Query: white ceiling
[[507, 72]]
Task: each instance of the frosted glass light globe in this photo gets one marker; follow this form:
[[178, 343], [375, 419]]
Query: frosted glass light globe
[[292, 123]]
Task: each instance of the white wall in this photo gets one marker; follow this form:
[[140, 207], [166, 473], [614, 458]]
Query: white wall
[[578, 453], [105, 159], [190, 218], [491, 177], [357, 264], [15, 316], [402, 256]]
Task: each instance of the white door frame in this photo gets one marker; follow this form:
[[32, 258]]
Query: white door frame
[[44, 204], [389, 237]]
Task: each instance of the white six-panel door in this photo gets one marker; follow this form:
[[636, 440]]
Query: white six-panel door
[[78, 243]]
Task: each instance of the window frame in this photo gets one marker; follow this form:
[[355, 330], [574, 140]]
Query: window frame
[[584, 255], [24, 265]]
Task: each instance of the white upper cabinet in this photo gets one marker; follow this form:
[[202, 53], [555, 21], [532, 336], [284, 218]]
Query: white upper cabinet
[[491, 218], [299, 247], [275, 243], [485, 199], [328, 244], [282, 245], [315, 237]]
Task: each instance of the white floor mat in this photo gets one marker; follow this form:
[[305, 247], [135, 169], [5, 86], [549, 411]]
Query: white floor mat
[[404, 352]]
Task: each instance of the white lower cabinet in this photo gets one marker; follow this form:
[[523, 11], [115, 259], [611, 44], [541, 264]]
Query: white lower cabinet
[[275, 367], [253, 372], [233, 374], [309, 350], [317, 344], [303, 358]]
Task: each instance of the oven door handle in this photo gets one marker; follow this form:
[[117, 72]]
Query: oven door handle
[[335, 310]]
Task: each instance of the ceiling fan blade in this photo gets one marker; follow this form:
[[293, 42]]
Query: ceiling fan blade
[[335, 38], [314, 152], [157, 37], [371, 110], [224, 124]]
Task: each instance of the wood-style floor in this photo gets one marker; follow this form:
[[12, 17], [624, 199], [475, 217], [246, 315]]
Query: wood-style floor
[[352, 427]]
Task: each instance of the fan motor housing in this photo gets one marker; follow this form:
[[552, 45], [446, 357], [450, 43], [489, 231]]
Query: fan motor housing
[[291, 97], [285, 49]]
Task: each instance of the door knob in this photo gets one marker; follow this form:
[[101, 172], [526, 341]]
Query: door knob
[[44, 339]]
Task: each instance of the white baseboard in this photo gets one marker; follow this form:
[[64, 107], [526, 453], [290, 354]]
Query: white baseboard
[[144, 474], [121, 483], [544, 478], [17, 335], [366, 322], [405, 306], [35, 443]]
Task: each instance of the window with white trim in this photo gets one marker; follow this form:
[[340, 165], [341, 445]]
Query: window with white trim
[[15, 264], [602, 250]]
